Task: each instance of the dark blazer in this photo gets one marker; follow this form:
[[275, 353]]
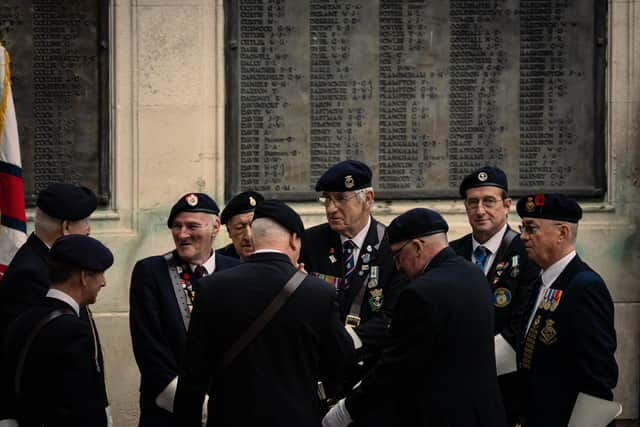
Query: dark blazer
[[511, 287], [158, 332], [229, 251], [569, 348], [24, 285], [61, 384], [272, 382], [440, 367]]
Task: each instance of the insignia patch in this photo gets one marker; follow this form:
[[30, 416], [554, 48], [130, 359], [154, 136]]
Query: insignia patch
[[482, 176], [376, 299], [548, 334], [530, 206], [252, 201], [348, 181], [191, 199], [501, 297]]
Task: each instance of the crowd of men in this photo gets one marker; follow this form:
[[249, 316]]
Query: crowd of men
[[347, 323]]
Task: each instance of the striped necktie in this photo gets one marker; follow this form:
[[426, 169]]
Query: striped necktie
[[349, 261]]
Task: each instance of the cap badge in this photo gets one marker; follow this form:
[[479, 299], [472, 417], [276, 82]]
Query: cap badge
[[191, 199], [530, 206], [482, 176], [348, 181], [252, 201]]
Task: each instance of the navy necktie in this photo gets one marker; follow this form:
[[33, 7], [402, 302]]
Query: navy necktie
[[481, 254], [349, 261]]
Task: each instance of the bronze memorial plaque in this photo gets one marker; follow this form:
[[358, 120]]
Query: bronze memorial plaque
[[422, 91], [59, 78]]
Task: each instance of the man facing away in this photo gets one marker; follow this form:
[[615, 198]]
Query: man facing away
[[439, 369], [57, 373], [500, 254], [272, 379], [163, 290]]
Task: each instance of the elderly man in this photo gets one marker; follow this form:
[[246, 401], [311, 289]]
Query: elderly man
[[439, 369], [61, 209], [570, 340], [500, 254], [237, 216], [56, 376], [266, 378], [163, 289]]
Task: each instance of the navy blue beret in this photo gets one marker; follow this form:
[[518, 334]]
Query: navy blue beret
[[193, 202], [69, 202], [349, 175], [281, 213], [487, 176], [82, 251], [414, 223], [241, 203], [553, 206]]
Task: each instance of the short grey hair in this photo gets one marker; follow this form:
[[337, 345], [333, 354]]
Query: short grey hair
[[267, 230], [46, 223], [360, 194]]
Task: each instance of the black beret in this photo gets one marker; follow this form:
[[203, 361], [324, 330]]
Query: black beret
[[549, 206], [193, 202], [69, 202], [280, 213], [414, 223], [241, 203], [349, 175], [487, 176], [82, 251]]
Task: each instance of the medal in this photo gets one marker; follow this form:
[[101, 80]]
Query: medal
[[373, 277]]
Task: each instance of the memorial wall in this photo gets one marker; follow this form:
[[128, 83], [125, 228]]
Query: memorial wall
[[424, 91]]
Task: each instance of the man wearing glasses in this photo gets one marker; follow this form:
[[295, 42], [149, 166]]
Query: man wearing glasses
[[567, 358], [351, 253], [498, 251]]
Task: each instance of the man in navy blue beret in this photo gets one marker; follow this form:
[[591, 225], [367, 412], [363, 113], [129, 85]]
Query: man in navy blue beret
[[237, 216], [271, 381], [163, 289], [61, 209], [441, 334], [351, 253], [567, 359], [499, 253], [57, 370]]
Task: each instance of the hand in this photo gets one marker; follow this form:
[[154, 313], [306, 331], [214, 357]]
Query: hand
[[300, 267], [338, 416]]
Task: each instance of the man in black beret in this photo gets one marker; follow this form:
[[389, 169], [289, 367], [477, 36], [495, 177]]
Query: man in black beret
[[569, 338], [237, 216], [500, 254], [163, 289], [61, 209], [56, 374], [439, 369], [271, 380], [351, 252]]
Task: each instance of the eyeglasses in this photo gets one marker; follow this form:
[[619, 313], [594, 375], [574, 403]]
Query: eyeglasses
[[394, 254], [487, 202], [338, 199], [533, 229]]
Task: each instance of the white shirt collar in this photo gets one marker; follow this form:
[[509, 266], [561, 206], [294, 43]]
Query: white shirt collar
[[551, 274], [358, 239], [493, 244], [209, 264], [64, 297], [264, 251]]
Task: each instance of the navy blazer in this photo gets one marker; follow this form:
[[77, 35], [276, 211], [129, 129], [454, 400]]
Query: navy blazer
[[569, 348], [158, 332]]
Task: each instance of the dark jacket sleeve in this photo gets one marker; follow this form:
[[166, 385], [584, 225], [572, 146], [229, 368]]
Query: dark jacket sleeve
[[593, 336], [151, 348]]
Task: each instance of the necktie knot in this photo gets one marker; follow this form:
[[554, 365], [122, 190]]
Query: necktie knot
[[199, 271], [481, 254]]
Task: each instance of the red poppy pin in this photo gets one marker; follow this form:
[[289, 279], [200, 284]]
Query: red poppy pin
[[539, 200]]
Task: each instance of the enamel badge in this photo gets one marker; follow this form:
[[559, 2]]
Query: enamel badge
[[501, 297], [376, 299]]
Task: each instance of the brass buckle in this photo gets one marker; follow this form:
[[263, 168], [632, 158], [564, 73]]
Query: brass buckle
[[352, 320]]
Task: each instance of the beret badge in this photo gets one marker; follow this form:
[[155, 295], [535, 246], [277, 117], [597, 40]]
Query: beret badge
[[252, 201], [482, 176], [191, 199], [348, 181], [530, 206]]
